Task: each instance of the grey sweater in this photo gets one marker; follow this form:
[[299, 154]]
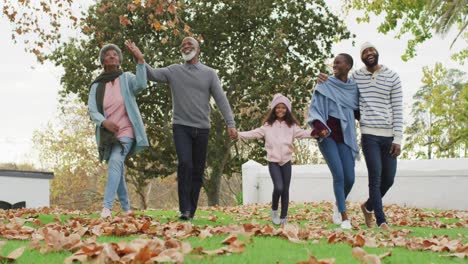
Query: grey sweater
[[191, 87]]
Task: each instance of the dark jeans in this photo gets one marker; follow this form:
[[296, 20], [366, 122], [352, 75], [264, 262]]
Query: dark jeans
[[191, 146], [381, 168], [340, 161], [281, 176]]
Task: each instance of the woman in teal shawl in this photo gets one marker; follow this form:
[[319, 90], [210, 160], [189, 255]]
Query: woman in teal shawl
[[331, 116], [120, 132]]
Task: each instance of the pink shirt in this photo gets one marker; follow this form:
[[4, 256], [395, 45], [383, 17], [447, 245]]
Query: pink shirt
[[114, 109], [278, 139]]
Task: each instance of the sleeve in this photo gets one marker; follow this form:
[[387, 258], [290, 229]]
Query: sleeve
[[157, 75], [317, 127], [221, 100], [256, 133], [301, 133], [396, 97], [318, 111], [97, 117], [139, 82]]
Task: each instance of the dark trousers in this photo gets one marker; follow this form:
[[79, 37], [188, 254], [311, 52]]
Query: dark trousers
[[381, 168], [191, 146], [281, 177]]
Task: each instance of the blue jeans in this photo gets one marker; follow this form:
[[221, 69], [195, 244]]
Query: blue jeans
[[381, 168], [191, 147], [281, 177], [340, 161], [115, 175]]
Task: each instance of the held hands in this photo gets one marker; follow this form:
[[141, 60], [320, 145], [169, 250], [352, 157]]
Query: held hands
[[135, 51], [232, 132], [395, 150], [111, 126]]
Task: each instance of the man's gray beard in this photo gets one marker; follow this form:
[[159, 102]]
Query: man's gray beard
[[190, 56]]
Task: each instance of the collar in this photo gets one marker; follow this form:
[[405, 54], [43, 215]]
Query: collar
[[365, 71], [197, 65]]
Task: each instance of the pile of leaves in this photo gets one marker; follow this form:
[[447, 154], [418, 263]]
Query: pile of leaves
[[163, 241]]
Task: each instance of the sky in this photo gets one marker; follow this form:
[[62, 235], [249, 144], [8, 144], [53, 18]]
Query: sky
[[29, 92]]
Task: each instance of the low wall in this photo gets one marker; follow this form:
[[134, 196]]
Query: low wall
[[439, 184], [30, 187]]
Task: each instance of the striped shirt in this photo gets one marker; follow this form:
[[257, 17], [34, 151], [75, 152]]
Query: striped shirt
[[380, 103]]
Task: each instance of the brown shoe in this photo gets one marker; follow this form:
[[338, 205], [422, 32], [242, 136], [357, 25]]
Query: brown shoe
[[384, 227], [368, 217]]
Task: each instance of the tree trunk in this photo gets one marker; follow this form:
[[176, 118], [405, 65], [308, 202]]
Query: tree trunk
[[213, 185]]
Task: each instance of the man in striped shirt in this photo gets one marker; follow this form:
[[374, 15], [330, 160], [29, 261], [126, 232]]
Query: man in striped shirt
[[381, 121]]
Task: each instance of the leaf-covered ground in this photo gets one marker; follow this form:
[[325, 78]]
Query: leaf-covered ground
[[241, 234]]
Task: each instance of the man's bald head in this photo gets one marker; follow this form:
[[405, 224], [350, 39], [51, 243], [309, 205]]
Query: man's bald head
[[192, 40]]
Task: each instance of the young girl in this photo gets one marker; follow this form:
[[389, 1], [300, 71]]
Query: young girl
[[279, 129], [331, 115]]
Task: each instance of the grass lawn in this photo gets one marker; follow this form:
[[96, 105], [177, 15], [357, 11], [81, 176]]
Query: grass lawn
[[417, 236]]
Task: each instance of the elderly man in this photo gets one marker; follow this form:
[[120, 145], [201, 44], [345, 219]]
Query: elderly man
[[381, 122], [192, 84]]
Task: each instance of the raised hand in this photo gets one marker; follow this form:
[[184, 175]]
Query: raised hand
[[135, 51], [322, 77]]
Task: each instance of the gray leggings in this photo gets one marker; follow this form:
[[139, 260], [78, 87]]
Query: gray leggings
[[281, 177]]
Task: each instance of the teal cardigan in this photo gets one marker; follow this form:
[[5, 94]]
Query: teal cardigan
[[130, 86]]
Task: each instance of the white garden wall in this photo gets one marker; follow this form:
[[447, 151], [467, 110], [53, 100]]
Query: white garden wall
[[31, 187], [441, 184]]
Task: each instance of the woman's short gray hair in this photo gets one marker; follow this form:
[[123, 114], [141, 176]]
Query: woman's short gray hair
[[108, 47]]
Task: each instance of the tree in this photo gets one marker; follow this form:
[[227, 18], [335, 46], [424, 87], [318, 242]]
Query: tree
[[67, 147], [440, 113], [419, 18], [259, 47]]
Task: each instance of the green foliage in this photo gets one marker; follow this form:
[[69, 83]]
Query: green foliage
[[67, 147], [258, 47], [440, 113], [420, 18]]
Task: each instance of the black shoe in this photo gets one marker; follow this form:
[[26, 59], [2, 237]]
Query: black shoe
[[185, 216]]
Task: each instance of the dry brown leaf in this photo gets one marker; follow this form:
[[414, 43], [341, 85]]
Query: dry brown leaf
[[462, 255], [388, 254], [237, 246], [204, 233], [229, 240], [219, 251], [371, 259], [359, 241], [358, 253]]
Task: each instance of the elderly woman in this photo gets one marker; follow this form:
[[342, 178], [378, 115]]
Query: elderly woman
[[120, 132]]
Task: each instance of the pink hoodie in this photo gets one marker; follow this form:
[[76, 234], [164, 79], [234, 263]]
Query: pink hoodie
[[278, 139]]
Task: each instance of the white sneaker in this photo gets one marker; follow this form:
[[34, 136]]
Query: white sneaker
[[346, 224], [275, 217], [283, 221], [106, 213], [337, 220]]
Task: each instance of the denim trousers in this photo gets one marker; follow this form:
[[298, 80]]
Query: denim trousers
[[281, 177], [340, 161], [381, 168], [191, 147], [115, 175]]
